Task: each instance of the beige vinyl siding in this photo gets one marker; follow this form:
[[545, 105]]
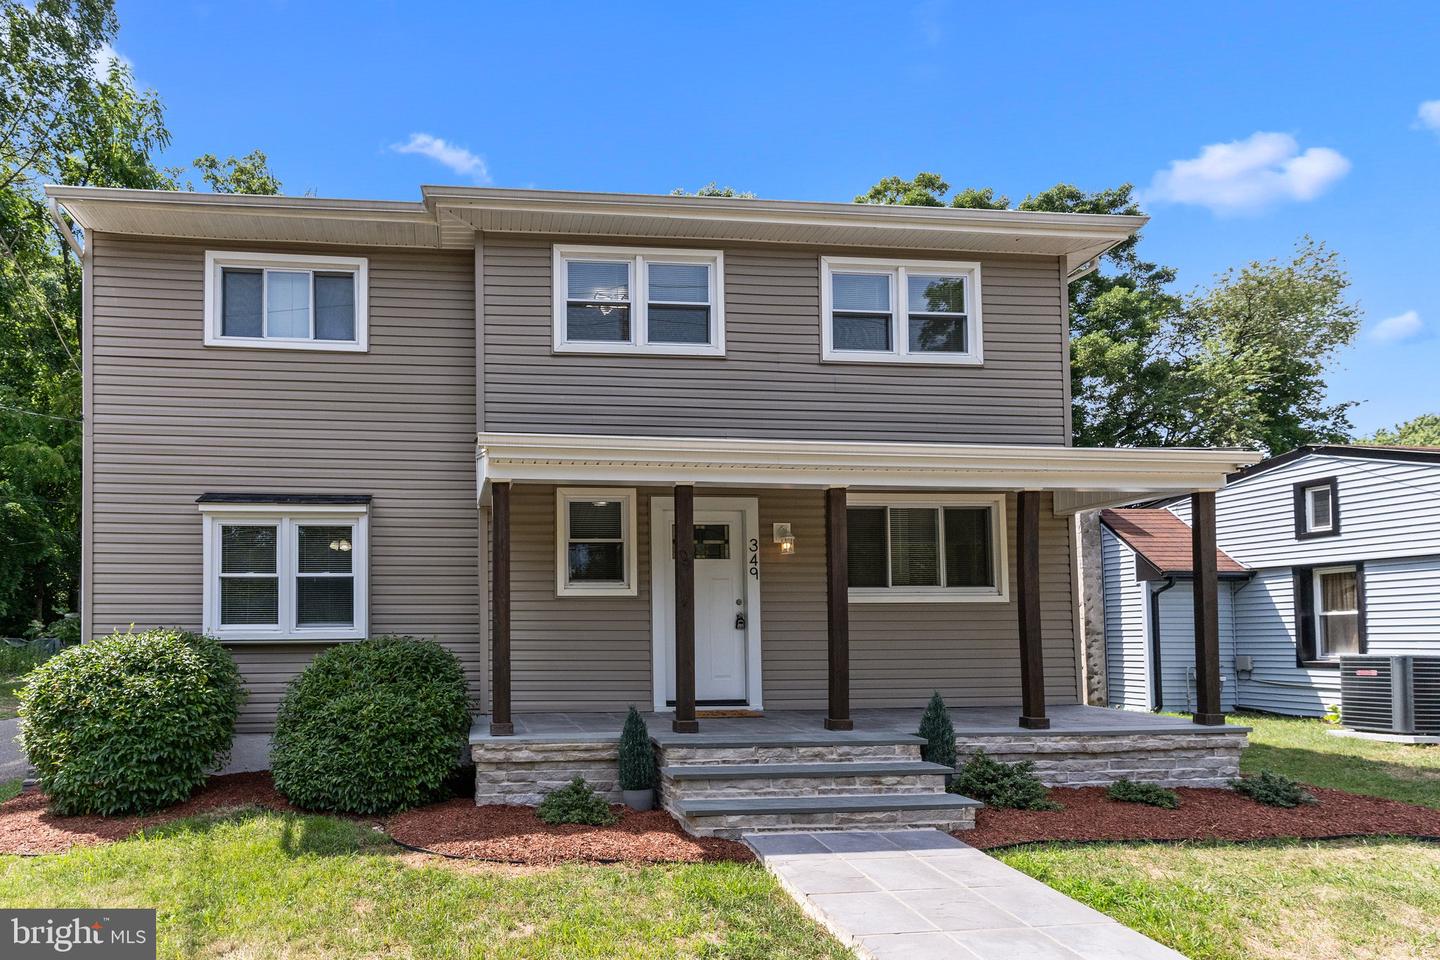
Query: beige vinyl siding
[[173, 419], [771, 382], [593, 653]]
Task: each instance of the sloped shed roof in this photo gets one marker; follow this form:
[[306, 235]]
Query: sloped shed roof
[[1163, 540]]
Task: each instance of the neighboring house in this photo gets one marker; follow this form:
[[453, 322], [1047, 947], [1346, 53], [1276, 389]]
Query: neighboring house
[[478, 418], [1327, 550]]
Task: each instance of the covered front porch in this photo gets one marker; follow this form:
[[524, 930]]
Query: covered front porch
[[829, 645]]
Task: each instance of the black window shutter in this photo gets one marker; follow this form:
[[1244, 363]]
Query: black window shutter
[[1360, 607], [1305, 647]]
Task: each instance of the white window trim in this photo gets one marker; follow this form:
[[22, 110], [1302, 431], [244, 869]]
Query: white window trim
[[999, 547], [286, 518], [629, 529], [1310, 525], [216, 260], [638, 258], [898, 270], [1316, 576]]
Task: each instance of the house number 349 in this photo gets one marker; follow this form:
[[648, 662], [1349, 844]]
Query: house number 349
[[755, 558]]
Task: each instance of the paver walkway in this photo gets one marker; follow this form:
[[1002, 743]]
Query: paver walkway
[[923, 895]]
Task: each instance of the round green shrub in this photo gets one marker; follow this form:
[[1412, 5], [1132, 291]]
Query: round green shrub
[[371, 727], [131, 722]]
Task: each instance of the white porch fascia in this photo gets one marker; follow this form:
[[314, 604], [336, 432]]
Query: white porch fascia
[[1081, 478]]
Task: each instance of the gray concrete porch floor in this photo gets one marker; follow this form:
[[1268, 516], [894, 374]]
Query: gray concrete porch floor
[[800, 726], [923, 895]]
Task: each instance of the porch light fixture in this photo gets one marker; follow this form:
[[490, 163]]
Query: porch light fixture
[[785, 537]]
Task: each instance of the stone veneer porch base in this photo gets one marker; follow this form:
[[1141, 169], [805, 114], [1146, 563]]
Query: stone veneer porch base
[[1089, 760]]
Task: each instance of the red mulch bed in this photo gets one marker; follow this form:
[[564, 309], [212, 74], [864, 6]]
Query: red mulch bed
[[25, 826], [1089, 815], [458, 828]]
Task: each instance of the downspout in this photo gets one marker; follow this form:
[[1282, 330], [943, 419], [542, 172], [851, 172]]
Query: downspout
[[1157, 686], [66, 230]]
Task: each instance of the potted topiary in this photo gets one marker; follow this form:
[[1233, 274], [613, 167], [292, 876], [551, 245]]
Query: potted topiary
[[637, 763], [939, 734]]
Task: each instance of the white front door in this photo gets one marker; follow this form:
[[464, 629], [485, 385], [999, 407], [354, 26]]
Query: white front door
[[726, 576]]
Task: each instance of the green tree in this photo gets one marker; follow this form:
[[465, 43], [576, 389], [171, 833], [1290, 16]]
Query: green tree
[[711, 189], [248, 174], [930, 190], [1422, 431]]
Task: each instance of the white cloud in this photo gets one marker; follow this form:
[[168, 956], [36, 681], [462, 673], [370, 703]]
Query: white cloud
[[104, 57], [455, 157], [1428, 116], [1402, 326], [1245, 176]]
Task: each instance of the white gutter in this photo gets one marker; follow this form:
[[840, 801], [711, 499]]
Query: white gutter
[[66, 230]]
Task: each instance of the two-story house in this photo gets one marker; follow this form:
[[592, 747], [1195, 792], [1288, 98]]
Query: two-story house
[[1328, 550], [482, 417]]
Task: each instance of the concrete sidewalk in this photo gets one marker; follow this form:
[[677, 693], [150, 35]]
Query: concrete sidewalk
[[923, 895]]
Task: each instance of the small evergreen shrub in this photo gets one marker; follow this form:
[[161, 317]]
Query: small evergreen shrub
[[1273, 790], [637, 756], [131, 722], [371, 727], [576, 802], [1150, 794], [939, 733], [1008, 785]]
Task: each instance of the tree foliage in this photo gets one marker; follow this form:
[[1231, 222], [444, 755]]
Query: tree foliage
[[71, 114], [1422, 431], [1243, 363], [711, 189]]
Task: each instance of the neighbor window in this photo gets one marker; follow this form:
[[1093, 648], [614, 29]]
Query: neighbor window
[[1337, 611], [285, 300], [900, 311], [951, 548], [624, 300], [1317, 508], [595, 542], [273, 574]]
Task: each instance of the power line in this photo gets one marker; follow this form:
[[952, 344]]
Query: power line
[[32, 413]]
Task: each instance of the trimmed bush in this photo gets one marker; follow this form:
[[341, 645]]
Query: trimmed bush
[[371, 727], [131, 722], [996, 784], [637, 755], [576, 802], [938, 731], [1150, 794], [1273, 790]]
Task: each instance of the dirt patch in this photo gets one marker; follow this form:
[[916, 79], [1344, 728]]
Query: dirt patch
[[26, 826], [458, 828], [1204, 814]]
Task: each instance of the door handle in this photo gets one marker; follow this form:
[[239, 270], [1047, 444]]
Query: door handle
[[739, 621]]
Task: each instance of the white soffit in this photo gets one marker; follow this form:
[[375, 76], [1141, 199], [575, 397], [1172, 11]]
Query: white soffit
[[1085, 474]]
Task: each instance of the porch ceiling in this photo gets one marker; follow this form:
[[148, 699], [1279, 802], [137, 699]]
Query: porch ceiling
[[1081, 477]]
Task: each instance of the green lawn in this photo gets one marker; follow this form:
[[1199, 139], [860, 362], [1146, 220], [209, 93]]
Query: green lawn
[[1305, 750], [264, 884], [1282, 901]]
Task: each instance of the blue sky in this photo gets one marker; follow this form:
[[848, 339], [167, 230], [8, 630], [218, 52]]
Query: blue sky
[[1246, 125]]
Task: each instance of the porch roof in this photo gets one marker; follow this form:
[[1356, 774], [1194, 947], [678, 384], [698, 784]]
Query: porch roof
[[1080, 477]]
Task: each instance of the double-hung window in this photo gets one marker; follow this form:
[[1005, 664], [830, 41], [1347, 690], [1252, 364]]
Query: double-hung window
[[627, 300], [948, 548], [275, 573], [1337, 611], [885, 311], [1317, 508], [286, 301], [595, 551]]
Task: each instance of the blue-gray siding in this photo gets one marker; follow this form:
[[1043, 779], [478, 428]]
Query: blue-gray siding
[[1126, 654]]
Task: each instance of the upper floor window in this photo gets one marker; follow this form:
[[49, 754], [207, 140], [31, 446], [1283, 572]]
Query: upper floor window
[[905, 548], [891, 311], [627, 300], [1317, 508], [278, 572], [285, 300]]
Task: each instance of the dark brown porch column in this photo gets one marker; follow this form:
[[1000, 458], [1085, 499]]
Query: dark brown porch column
[[837, 595], [1207, 612], [500, 722], [685, 721], [1027, 597]]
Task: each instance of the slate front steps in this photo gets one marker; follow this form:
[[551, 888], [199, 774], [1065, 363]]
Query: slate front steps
[[723, 786]]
